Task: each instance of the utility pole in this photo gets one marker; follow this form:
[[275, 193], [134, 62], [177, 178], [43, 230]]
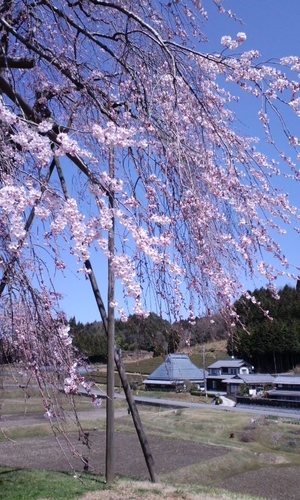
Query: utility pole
[[120, 382], [110, 402], [203, 362]]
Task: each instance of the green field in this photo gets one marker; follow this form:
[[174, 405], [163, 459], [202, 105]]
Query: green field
[[18, 484]]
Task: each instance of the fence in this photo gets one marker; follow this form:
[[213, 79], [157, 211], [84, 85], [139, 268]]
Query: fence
[[278, 403]]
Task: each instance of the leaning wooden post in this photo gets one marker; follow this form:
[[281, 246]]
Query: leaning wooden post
[[123, 376], [136, 419]]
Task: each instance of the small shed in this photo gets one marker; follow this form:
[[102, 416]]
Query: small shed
[[174, 371]]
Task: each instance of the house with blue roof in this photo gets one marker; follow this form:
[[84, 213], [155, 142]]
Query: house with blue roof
[[174, 372]]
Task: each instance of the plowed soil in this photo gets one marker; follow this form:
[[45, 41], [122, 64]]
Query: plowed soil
[[48, 453]]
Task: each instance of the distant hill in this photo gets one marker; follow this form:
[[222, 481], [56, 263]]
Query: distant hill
[[145, 365]]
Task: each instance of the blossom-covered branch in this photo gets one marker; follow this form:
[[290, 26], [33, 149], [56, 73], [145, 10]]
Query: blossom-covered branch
[[196, 202]]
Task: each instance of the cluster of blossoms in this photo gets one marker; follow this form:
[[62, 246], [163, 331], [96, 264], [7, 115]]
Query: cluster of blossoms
[[228, 42], [69, 216], [63, 332], [74, 382], [122, 137], [71, 382]]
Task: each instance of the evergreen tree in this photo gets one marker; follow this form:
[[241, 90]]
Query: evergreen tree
[[269, 336], [147, 334], [89, 339]]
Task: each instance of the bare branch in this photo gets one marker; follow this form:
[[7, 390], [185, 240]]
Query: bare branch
[[16, 62]]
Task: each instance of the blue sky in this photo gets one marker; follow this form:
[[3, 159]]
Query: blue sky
[[272, 27]]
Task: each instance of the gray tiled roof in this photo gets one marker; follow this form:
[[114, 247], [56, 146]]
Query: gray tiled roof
[[223, 376], [176, 367], [252, 378], [278, 392], [288, 379], [232, 380], [258, 378], [229, 363]]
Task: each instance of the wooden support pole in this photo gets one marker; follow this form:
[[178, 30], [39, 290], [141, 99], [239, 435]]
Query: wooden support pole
[[123, 376]]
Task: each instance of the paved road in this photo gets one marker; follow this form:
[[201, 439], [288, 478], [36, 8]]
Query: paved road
[[226, 406]]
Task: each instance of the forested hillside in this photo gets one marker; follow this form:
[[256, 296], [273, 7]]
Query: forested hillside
[[269, 336], [152, 334]]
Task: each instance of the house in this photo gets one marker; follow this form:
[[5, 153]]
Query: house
[[223, 370], [253, 382], [284, 394], [174, 372], [286, 388]]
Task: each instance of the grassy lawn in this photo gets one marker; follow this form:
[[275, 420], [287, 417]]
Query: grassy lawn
[[18, 484]]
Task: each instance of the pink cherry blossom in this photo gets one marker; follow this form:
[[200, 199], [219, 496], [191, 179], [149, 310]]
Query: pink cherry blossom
[[132, 125]]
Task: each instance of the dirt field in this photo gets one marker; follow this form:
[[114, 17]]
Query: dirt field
[[44, 453]]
